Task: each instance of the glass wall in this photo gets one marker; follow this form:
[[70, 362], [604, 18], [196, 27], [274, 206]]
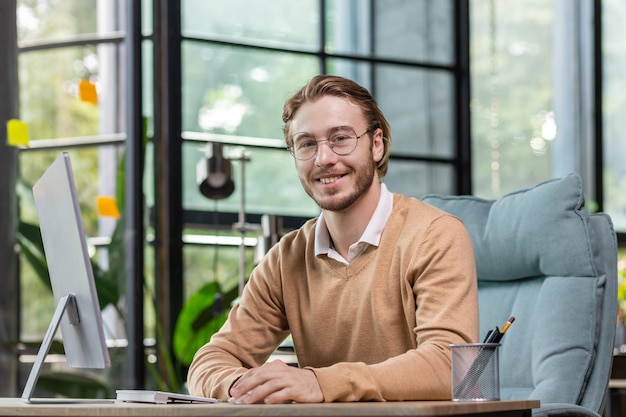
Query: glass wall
[[67, 48], [533, 99], [512, 61], [70, 96]]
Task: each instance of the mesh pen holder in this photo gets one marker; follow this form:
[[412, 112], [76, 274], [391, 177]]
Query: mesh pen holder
[[475, 372]]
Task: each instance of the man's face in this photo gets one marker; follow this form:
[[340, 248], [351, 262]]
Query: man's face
[[335, 182]]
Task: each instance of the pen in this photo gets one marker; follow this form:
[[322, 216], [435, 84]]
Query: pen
[[491, 335], [494, 336], [504, 329]]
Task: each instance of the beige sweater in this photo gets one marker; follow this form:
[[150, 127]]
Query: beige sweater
[[377, 329]]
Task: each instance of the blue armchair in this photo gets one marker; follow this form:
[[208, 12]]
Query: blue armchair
[[543, 258]]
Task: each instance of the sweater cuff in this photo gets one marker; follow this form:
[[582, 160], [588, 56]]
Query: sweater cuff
[[347, 382]]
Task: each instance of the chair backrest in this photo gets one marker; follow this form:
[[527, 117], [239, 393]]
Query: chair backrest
[[543, 258]]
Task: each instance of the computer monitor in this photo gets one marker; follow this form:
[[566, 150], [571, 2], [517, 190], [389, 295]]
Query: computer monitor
[[65, 246]]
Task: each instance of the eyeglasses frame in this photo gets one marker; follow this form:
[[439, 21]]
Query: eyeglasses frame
[[317, 145]]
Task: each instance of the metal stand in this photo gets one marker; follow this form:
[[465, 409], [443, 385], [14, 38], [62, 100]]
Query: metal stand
[[241, 226], [67, 303]]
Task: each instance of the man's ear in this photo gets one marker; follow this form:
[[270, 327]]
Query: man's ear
[[378, 145]]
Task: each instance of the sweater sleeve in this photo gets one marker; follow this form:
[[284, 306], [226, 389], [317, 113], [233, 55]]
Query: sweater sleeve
[[256, 325], [443, 276]]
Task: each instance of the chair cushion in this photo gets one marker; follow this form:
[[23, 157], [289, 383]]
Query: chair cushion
[[532, 232]]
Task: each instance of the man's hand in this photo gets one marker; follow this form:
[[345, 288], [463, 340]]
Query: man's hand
[[277, 382]]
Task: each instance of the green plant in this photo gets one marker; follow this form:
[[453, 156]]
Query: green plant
[[203, 314]]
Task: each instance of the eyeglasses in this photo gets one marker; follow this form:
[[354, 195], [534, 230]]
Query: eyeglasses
[[342, 141]]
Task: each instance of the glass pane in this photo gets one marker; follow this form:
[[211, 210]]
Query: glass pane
[[271, 183], [147, 12], [419, 30], [512, 120], [54, 19], [276, 22], [241, 91], [32, 165], [147, 79], [614, 111], [50, 100], [417, 103], [417, 179], [419, 107], [209, 262]]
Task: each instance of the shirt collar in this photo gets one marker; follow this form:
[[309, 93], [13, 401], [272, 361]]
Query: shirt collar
[[372, 232]]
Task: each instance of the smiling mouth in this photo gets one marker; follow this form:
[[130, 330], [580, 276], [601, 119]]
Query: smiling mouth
[[329, 180]]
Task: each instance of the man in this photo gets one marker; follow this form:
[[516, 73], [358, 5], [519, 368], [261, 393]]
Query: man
[[373, 291]]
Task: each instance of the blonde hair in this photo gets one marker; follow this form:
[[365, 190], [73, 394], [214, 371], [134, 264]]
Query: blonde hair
[[331, 85]]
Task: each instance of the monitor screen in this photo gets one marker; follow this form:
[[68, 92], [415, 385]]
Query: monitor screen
[[71, 275]]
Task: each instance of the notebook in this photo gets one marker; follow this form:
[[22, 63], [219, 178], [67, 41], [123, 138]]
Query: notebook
[[160, 397]]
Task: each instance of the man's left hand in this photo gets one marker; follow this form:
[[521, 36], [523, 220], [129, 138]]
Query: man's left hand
[[277, 382]]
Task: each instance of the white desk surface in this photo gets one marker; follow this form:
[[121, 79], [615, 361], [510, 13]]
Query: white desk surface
[[16, 407]]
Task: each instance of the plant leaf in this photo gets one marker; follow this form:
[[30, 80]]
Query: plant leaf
[[204, 314], [31, 246]]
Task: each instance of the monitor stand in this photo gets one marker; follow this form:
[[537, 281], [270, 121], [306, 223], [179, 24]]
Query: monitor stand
[[66, 304]]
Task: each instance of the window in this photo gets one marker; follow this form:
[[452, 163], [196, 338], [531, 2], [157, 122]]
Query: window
[[58, 51], [534, 102], [512, 95]]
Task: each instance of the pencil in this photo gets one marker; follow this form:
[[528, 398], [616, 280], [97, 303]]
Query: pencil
[[507, 325], [499, 333]]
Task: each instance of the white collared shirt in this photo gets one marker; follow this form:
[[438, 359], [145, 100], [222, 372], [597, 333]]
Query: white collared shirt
[[371, 235]]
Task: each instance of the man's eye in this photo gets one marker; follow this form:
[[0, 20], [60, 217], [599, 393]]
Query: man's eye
[[304, 144], [337, 140]]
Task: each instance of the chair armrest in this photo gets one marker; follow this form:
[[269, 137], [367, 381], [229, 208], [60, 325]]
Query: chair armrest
[[563, 410]]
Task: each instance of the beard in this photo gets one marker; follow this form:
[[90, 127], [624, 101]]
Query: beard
[[364, 175]]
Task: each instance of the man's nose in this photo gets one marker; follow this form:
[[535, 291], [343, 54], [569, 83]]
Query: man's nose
[[325, 155]]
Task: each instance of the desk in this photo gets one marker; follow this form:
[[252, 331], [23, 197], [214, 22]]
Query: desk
[[15, 407]]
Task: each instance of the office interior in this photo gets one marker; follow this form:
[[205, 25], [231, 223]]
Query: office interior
[[485, 97]]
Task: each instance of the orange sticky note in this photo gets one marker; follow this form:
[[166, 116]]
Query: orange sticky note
[[17, 133], [87, 92], [107, 207]]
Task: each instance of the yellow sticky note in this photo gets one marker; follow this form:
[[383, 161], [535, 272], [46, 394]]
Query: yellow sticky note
[[107, 207], [17, 133], [87, 92]]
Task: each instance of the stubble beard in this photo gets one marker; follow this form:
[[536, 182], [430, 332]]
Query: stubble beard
[[364, 179]]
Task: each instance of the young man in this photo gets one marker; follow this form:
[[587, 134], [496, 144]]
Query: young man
[[373, 291]]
